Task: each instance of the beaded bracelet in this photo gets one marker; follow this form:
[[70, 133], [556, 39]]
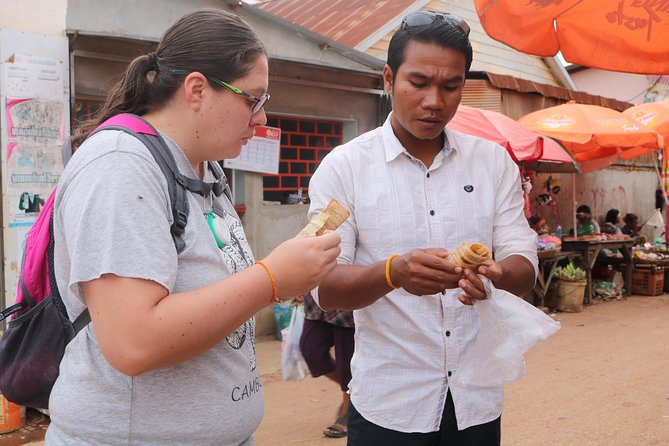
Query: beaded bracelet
[[271, 278], [388, 280]]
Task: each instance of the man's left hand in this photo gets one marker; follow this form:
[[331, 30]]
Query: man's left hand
[[472, 285]]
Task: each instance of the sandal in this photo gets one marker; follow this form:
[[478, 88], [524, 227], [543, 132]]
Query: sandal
[[335, 430]]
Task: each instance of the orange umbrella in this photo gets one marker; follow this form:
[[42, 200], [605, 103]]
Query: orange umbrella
[[555, 159], [521, 143], [595, 136], [654, 115], [622, 35]]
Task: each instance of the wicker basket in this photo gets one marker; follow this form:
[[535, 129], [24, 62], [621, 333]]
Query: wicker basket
[[547, 253]]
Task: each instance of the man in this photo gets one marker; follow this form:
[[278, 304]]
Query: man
[[415, 190], [322, 331], [586, 225]]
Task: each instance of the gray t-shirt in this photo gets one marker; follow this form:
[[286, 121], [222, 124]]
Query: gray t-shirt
[[113, 215]]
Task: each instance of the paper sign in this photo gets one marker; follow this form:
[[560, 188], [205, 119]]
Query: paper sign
[[261, 153]]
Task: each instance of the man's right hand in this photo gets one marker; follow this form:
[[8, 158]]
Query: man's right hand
[[425, 271]]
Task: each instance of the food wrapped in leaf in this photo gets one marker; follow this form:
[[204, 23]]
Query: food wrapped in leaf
[[470, 255], [330, 218]]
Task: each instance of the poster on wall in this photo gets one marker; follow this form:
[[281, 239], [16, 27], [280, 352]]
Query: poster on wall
[[33, 155], [33, 76], [35, 121], [261, 153]]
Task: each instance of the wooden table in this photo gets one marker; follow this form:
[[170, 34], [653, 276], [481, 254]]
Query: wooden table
[[589, 250], [548, 265]]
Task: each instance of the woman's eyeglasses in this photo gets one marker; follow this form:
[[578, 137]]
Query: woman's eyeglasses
[[258, 103], [425, 18]]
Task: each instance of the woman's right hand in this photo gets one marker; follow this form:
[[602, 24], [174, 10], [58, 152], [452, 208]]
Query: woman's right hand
[[300, 263]]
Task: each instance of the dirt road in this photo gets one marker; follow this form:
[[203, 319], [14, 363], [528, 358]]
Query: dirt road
[[602, 380]]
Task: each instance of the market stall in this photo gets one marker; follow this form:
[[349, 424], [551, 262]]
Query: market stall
[[591, 245], [651, 268]]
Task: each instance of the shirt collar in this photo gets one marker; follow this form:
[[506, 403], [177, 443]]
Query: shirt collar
[[394, 148]]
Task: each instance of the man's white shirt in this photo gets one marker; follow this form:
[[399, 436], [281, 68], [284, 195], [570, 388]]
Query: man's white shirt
[[407, 346]]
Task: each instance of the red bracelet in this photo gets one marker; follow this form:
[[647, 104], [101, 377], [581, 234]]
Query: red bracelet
[[271, 278]]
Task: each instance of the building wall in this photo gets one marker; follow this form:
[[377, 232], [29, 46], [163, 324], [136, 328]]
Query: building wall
[[37, 16], [622, 86], [625, 190]]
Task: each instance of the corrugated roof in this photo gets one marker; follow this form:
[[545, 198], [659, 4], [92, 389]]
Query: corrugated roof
[[347, 21], [525, 86]]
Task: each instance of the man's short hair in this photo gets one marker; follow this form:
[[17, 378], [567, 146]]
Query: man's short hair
[[584, 208], [439, 32]]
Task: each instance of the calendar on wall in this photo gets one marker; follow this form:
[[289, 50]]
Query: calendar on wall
[[261, 153]]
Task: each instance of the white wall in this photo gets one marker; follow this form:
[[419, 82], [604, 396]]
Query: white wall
[[37, 16], [627, 191], [621, 86]]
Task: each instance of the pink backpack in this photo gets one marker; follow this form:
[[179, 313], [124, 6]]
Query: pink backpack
[[35, 339]]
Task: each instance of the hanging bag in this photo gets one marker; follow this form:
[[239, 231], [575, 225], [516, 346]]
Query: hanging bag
[[292, 362]]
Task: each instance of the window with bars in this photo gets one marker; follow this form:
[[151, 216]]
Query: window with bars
[[304, 143]]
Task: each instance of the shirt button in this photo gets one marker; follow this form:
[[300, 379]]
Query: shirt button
[[443, 293], [431, 212], [450, 373], [428, 174], [448, 333]]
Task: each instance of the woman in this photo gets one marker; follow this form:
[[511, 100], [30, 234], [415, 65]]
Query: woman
[[611, 222], [631, 227], [169, 357]]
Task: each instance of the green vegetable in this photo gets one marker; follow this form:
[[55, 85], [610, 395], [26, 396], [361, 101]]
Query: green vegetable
[[570, 273]]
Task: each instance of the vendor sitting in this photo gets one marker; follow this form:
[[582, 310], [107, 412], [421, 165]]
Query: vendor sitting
[[586, 225], [611, 222], [538, 224], [631, 227]]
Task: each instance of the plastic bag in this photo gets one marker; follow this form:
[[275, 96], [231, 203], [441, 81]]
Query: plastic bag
[[292, 362], [509, 328]]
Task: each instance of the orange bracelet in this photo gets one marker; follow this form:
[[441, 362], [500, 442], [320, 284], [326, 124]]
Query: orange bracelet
[[388, 280], [271, 278]]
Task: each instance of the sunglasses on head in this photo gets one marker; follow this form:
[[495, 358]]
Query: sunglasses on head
[[425, 18], [258, 103]]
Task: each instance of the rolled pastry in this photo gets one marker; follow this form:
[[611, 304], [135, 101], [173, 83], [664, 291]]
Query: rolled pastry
[[469, 255], [330, 218]]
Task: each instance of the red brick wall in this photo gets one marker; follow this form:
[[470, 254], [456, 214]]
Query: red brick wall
[[304, 143]]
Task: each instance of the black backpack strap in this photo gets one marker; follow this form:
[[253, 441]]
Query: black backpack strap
[[81, 321], [178, 198]]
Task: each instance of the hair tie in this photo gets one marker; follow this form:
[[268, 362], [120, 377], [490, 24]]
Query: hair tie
[[153, 62]]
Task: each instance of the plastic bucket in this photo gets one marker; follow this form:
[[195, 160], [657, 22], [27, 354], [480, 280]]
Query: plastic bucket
[[282, 314], [12, 416], [570, 295]]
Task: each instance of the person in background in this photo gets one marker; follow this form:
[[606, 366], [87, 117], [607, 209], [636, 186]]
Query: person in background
[[586, 225], [323, 330], [169, 356], [538, 224], [631, 226], [611, 222], [417, 189]]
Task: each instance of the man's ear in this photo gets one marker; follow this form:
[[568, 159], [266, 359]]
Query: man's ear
[[194, 88], [388, 79]]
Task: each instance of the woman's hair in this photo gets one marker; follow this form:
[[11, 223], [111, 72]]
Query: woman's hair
[[630, 218], [210, 41], [612, 216]]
